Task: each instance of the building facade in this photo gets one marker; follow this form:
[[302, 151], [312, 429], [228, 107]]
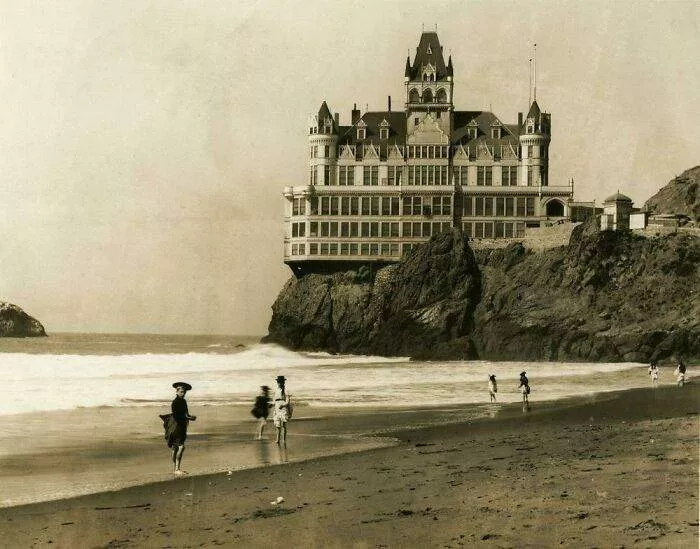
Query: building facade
[[391, 179]]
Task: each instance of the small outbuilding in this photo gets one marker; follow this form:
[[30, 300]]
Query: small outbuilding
[[616, 212]]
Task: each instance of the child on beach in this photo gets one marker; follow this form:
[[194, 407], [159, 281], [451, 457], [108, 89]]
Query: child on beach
[[281, 407], [680, 371], [493, 388], [654, 374], [261, 409], [524, 388], [181, 418]]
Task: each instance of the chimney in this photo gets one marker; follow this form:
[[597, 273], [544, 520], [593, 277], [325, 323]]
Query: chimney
[[389, 103], [520, 120], [355, 115], [336, 118]]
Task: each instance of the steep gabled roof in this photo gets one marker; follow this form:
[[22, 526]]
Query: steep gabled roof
[[373, 121], [429, 51], [484, 120]]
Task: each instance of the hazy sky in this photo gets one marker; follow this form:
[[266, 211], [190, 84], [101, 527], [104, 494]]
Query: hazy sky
[[146, 143]]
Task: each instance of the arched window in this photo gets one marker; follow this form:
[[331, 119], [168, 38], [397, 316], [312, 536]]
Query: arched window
[[413, 96], [427, 96], [555, 208], [441, 96]]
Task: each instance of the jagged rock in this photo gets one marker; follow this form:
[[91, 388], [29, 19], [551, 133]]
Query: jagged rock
[[607, 296], [680, 196], [14, 322]]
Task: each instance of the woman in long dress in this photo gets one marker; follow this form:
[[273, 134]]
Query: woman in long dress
[[281, 406]]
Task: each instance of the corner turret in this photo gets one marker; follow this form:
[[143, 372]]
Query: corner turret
[[323, 140], [534, 147]]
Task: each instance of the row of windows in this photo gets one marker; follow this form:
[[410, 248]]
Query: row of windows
[[498, 206], [370, 229], [376, 205], [427, 151], [473, 152], [428, 175], [484, 175], [419, 175], [325, 150], [350, 248], [477, 229], [472, 206], [493, 229]]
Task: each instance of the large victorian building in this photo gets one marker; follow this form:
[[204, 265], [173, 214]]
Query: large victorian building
[[392, 179]]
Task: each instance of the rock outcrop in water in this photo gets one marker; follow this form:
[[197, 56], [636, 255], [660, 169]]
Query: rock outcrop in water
[[607, 296], [14, 322]]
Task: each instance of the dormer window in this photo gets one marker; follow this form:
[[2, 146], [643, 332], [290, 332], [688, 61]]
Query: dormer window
[[530, 127], [428, 73], [361, 133], [429, 49], [384, 130], [471, 133], [496, 133]]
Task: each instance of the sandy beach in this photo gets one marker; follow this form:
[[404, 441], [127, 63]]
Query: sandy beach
[[610, 470]]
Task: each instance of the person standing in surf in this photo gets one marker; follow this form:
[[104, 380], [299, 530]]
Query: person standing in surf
[[493, 387], [680, 371], [524, 389], [281, 410], [261, 409], [654, 374], [180, 420]]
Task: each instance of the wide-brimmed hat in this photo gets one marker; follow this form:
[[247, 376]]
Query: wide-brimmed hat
[[281, 378], [522, 373], [185, 386], [265, 388]]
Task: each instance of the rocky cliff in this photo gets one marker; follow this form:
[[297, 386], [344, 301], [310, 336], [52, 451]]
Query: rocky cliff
[[680, 196], [607, 296], [14, 322]]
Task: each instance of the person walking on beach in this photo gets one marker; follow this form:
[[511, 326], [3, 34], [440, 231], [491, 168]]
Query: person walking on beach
[[281, 410], [261, 409], [654, 373], [493, 387], [680, 371], [180, 420], [524, 388]]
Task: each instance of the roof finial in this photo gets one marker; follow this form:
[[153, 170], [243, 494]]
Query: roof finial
[[435, 27], [422, 27]]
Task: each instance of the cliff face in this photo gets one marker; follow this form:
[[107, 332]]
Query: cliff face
[[14, 322], [680, 196], [607, 296], [422, 307]]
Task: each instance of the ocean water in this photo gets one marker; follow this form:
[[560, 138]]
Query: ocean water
[[80, 411], [69, 371]]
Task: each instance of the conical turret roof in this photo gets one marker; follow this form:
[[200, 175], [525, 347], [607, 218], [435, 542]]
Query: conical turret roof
[[534, 111]]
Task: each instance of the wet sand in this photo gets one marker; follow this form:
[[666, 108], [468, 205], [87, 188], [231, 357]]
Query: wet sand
[[612, 470]]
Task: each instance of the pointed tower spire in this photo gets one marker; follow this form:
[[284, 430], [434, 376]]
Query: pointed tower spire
[[450, 70], [407, 72]]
